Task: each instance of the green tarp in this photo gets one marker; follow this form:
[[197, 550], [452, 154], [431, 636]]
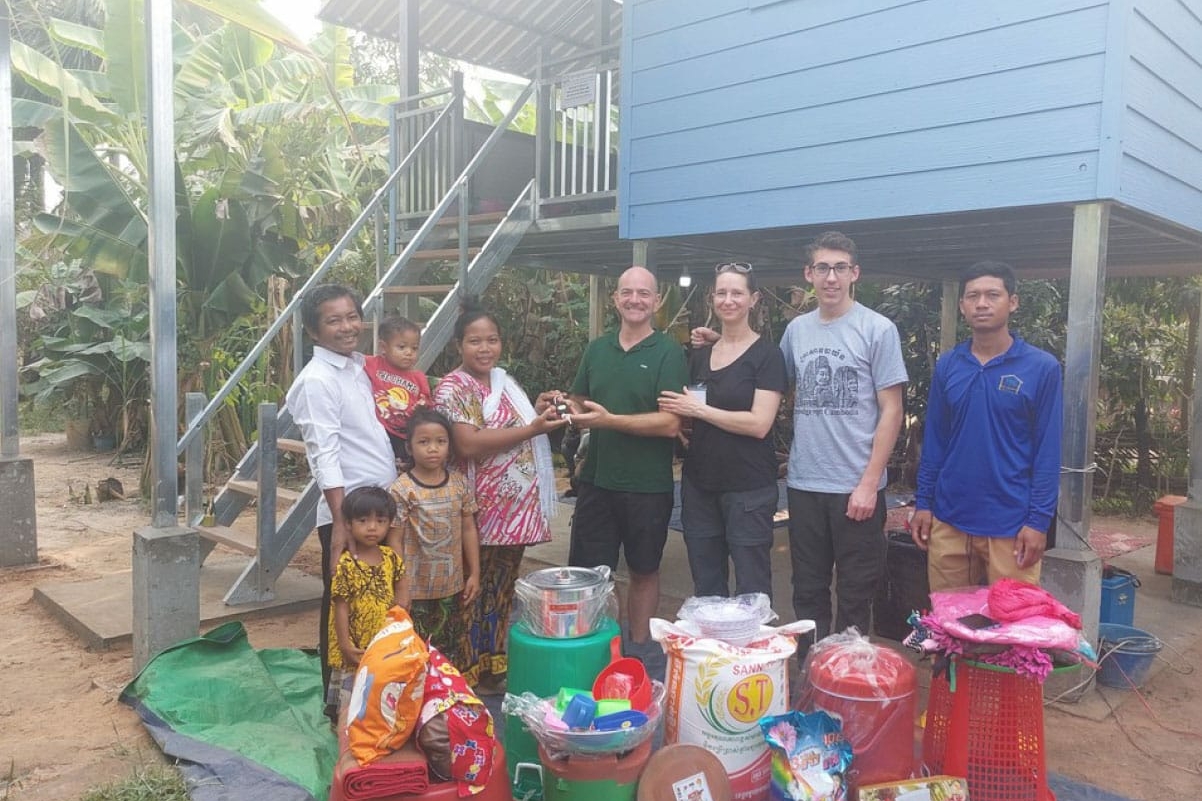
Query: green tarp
[[245, 723]]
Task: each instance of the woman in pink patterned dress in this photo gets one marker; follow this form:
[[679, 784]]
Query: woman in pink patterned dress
[[501, 442]]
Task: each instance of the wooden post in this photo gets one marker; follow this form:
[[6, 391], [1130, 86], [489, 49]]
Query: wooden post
[[949, 315], [596, 307], [645, 255]]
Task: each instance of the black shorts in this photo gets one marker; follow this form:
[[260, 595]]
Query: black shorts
[[606, 522]]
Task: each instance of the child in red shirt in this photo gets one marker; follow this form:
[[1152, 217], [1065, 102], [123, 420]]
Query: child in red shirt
[[397, 387]]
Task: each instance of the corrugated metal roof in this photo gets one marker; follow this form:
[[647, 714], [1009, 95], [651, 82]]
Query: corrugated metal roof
[[501, 34]]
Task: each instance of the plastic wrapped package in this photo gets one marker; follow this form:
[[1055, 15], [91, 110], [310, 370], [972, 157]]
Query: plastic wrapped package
[[810, 757], [566, 602], [872, 689], [734, 620], [545, 723], [717, 692]]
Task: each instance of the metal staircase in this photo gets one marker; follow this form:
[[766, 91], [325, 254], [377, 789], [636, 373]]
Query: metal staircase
[[480, 244]]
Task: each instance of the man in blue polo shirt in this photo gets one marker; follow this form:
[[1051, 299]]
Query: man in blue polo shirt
[[989, 475]]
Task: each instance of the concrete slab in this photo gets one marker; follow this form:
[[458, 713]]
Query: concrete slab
[[99, 611]]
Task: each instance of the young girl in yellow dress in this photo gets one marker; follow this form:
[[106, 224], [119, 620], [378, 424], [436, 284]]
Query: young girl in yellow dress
[[369, 580]]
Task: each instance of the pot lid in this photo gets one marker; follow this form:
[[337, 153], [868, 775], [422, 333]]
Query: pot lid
[[567, 578]]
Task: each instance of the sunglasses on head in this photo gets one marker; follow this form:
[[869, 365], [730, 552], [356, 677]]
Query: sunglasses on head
[[735, 266]]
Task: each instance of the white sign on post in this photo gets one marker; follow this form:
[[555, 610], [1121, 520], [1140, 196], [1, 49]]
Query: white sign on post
[[578, 89]]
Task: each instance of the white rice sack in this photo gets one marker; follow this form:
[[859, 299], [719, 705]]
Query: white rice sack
[[717, 692]]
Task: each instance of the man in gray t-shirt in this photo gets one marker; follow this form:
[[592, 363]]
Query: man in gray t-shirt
[[845, 363]]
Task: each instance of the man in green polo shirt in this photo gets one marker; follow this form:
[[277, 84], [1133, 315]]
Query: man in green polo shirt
[[624, 497]]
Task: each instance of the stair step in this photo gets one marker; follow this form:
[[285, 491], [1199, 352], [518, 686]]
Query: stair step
[[291, 445], [419, 289], [448, 220], [443, 254], [231, 538], [247, 486]]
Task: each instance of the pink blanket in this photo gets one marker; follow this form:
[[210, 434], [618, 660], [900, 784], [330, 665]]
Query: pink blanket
[[1017, 600], [1037, 631]]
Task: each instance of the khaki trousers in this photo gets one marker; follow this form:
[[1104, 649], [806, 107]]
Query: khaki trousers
[[956, 559]]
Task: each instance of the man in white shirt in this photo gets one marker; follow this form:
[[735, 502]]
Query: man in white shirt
[[331, 402]]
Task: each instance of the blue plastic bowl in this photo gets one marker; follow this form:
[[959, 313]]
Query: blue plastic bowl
[[1126, 655]]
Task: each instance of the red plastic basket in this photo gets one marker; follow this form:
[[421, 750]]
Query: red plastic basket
[[989, 729]]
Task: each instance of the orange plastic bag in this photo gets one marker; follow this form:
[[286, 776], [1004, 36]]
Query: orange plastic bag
[[387, 696]]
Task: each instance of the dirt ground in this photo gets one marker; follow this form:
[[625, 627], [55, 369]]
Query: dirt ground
[[62, 730]]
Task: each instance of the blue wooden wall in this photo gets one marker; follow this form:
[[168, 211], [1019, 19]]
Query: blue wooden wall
[[1160, 168], [747, 114]]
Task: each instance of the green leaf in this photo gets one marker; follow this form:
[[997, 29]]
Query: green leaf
[[73, 34], [255, 18], [103, 316], [33, 113], [92, 190], [56, 82], [273, 113], [97, 82], [99, 250], [214, 123], [366, 112], [222, 243], [60, 378], [199, 74], [374, 92], [125, 54]]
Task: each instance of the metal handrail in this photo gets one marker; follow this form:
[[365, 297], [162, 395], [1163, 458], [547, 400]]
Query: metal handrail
[[411, 99], [457, 188], [198, 423], [452, 194]]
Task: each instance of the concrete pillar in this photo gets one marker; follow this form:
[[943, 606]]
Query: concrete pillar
[[1187, 553], [1071, 570], [166, 590], [1187, 518], [18, 513]]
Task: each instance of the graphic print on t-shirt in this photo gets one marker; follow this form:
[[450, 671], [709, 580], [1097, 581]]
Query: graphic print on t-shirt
[[395, 403], [827, 385]]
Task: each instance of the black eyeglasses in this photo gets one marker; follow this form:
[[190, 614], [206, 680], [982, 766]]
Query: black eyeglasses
[[822, 268], [735, 266]]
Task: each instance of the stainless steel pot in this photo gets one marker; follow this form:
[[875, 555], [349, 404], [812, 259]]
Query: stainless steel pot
[[564, 602]]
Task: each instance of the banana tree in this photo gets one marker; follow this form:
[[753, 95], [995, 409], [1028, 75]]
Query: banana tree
[[267, 159]]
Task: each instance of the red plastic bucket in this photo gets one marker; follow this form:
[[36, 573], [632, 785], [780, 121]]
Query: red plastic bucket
[[877, 711]]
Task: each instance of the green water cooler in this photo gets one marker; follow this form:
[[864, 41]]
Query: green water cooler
[[542, 665]]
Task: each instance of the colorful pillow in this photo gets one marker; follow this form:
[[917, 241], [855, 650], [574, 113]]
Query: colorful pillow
[[456, 730], [387, 696]]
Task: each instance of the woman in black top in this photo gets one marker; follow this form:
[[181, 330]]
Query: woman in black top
[[728, 490]]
